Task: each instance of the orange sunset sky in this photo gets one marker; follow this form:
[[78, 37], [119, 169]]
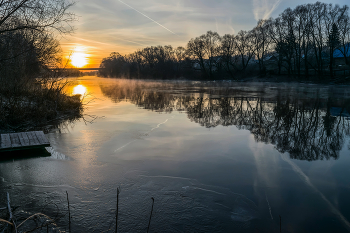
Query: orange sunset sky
[[123, 26]]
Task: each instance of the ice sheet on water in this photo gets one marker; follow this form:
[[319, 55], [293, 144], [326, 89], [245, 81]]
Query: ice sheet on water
[[199, 207], [244, 210], [56, 155]]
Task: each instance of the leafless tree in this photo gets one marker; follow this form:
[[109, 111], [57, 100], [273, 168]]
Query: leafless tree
[[205, 49], [28, 30], [262, 42], [245, 47], [180, 56], [229, 54], [39, 15], [303, 39]]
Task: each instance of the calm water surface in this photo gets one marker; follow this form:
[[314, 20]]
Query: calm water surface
[[229, 157]]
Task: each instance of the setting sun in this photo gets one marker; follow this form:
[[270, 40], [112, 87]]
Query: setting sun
[[79, 56], [79, 59]]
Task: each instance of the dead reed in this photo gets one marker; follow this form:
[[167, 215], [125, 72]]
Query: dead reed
[[40, 222], [36, 102]]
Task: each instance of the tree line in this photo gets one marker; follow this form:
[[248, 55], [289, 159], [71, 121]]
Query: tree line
[[300, 42]]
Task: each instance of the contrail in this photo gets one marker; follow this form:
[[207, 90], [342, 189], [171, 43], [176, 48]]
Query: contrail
[[306, 179], [148, 17], [265, 7], [268, 203], [146, 134], [93, 41], [267, 14]]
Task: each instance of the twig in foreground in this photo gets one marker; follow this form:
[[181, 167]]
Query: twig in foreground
[[149, 223], [116, 214], [69, 222], [10, 211]]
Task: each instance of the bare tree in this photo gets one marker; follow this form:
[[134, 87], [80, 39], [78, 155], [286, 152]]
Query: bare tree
[[303, 40], [29, 51], [35, 22], [229, 54], [245, 47], [39, 15], [262, 42], [205, 49], [180, 56]]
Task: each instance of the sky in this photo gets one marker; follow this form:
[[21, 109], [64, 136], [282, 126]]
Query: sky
[[123, 26]]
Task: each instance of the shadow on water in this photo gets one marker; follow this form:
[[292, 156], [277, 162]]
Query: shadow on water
[[23, 154], [308, 123]]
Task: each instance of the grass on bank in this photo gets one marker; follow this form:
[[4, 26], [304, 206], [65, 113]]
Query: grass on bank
[[27, 103]]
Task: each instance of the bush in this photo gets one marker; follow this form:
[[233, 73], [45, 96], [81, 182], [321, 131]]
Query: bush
[[36, 103]]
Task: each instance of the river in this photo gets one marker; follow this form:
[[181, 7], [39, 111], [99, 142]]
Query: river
[[215, 156]]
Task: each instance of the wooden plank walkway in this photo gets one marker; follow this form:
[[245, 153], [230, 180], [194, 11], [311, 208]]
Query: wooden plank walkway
[[23, 141]]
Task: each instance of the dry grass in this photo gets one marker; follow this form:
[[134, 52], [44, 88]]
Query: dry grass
[[30, 103]]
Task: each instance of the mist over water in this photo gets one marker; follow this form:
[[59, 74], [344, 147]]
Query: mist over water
[[216, 157]]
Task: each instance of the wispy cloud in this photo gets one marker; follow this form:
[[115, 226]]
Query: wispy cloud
[[97, 42], [263, 9], [148, 17]]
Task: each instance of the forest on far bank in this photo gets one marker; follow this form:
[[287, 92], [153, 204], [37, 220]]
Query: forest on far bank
[[311, 41]]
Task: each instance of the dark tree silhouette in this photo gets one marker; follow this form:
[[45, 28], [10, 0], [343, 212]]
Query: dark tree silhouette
[[333, 42]]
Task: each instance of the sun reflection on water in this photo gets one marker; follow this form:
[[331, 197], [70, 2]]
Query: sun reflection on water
[[79, 90]]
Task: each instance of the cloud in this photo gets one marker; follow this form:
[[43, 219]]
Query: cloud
[[169, 8], [263, 9], [148, 17], [98, 42], [107, 26]]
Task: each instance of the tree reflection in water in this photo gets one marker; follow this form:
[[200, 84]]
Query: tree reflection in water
[[307, 125]]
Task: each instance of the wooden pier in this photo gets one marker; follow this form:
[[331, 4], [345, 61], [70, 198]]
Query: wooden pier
[[23, 141]]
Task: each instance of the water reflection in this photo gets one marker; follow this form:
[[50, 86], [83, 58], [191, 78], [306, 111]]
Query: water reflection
[[309, 125], [79, 90]]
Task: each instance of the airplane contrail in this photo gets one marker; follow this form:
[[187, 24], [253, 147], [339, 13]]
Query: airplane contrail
[[148, 17], [93, 41], [267, 14]]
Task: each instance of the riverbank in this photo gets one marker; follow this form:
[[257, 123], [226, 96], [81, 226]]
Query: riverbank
[[286, 78], [283, 78], [36, 104]]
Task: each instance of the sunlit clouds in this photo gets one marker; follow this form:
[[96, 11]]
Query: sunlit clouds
[[148, 17], [124, 26]]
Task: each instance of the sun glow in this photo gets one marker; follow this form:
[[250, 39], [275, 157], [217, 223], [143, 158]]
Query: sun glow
[[79, 90], [79, 57]]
